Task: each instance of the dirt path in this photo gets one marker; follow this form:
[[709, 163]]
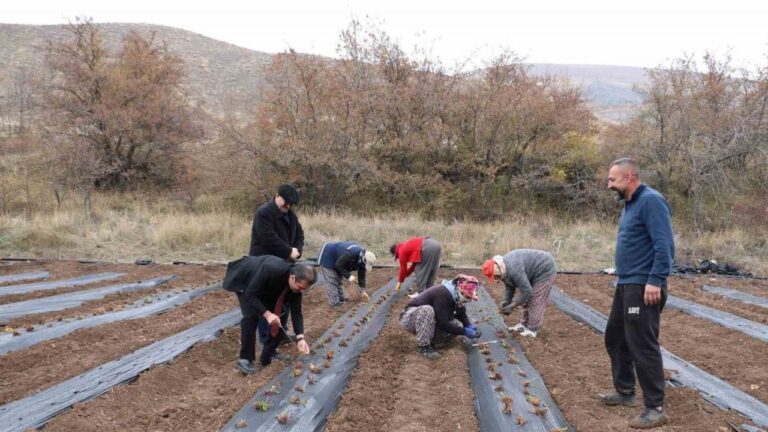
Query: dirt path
[[395, 388], [199, 391]]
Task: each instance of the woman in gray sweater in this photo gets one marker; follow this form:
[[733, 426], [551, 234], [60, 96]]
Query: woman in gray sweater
[[533, 273]]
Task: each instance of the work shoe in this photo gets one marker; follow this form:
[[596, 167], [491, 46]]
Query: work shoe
[[649, 418], [429, 352], [615, 399], [517, 328], [528, 332], [246, 366]]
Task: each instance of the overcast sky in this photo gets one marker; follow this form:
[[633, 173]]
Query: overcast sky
[[644, 33]]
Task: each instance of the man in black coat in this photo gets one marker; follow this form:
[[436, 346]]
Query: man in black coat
[[276, 229], [267, 287]]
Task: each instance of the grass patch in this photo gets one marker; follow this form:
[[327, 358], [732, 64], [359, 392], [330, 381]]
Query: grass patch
[[124, 229]]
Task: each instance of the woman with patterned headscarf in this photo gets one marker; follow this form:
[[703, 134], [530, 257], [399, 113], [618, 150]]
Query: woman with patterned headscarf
[[441, 309], [533, 273]]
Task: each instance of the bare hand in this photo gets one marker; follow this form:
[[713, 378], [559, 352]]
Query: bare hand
[[272, 319], [652, 294], [303, 346], [295, 254], [353, 279]]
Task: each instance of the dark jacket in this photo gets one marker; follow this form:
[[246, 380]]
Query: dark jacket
[[645, 245], [344, 257], [445, 307], [274, 232], [261, 280]]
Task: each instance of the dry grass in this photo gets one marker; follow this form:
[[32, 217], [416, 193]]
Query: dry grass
[[125, 228]]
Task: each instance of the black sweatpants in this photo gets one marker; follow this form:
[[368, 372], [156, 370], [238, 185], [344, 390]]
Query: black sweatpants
[[248, 326], [632, 341]]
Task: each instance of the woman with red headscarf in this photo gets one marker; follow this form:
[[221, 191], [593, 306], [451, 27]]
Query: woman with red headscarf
[[440, 309]]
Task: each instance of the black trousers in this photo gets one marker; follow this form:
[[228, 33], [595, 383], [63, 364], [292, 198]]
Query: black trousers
[[632, 341], [248, 328]]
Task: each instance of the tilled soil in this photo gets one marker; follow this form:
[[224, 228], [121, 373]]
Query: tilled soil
[[575, 366], [187, 277], [50, 362], [392, 387], [728, 354], [201, 390], [395, 388]]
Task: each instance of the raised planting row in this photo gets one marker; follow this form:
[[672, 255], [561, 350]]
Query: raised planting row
[[69, 300], [34, 411], [140, 309], [737, 295], [303, 395], [510, 393], [684, 373], [63, 283], [24, 276], [719, 317], [725, 319]]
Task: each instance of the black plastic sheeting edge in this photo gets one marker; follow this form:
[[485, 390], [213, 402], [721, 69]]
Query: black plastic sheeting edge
[[749, 428], [737, 295], [725, 319], [57, 330], [488, 404], [64, 283], [34, 411], [73, 299], [24, 276], [322, 398], [711, 388]]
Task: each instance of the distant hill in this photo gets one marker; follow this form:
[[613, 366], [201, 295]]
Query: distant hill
[[227, 78], [610, 89], [221, 75]]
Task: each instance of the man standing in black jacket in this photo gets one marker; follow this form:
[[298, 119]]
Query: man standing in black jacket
[[267, 287], [276, 229]]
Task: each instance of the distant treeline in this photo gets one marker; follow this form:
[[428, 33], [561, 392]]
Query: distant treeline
[[379, 128]]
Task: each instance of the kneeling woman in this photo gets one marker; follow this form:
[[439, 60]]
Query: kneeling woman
[[441, 308]]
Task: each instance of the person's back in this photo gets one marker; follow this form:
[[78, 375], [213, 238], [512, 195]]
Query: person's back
[[331, 252]]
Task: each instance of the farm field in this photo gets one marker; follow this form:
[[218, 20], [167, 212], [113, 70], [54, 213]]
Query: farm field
[[389, 385]]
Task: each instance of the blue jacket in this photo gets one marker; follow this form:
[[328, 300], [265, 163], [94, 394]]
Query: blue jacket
[[645, 245], [344, 257]]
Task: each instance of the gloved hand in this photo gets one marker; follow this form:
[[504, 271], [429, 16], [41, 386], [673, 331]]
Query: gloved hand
[[472, 326], [353, 279], [508, 308], [397, 287], [471, 333]]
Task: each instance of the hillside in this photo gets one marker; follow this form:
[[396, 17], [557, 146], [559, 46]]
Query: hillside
[[227, 77], [221, 75]]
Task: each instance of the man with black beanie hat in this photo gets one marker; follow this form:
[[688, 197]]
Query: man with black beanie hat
[[276, 231]]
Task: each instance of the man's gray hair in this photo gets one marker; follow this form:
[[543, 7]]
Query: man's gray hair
[[304, 272], [628, 165]]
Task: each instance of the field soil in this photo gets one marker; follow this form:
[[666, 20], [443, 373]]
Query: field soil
[[396, 388], [201, 390], [392, 386]]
